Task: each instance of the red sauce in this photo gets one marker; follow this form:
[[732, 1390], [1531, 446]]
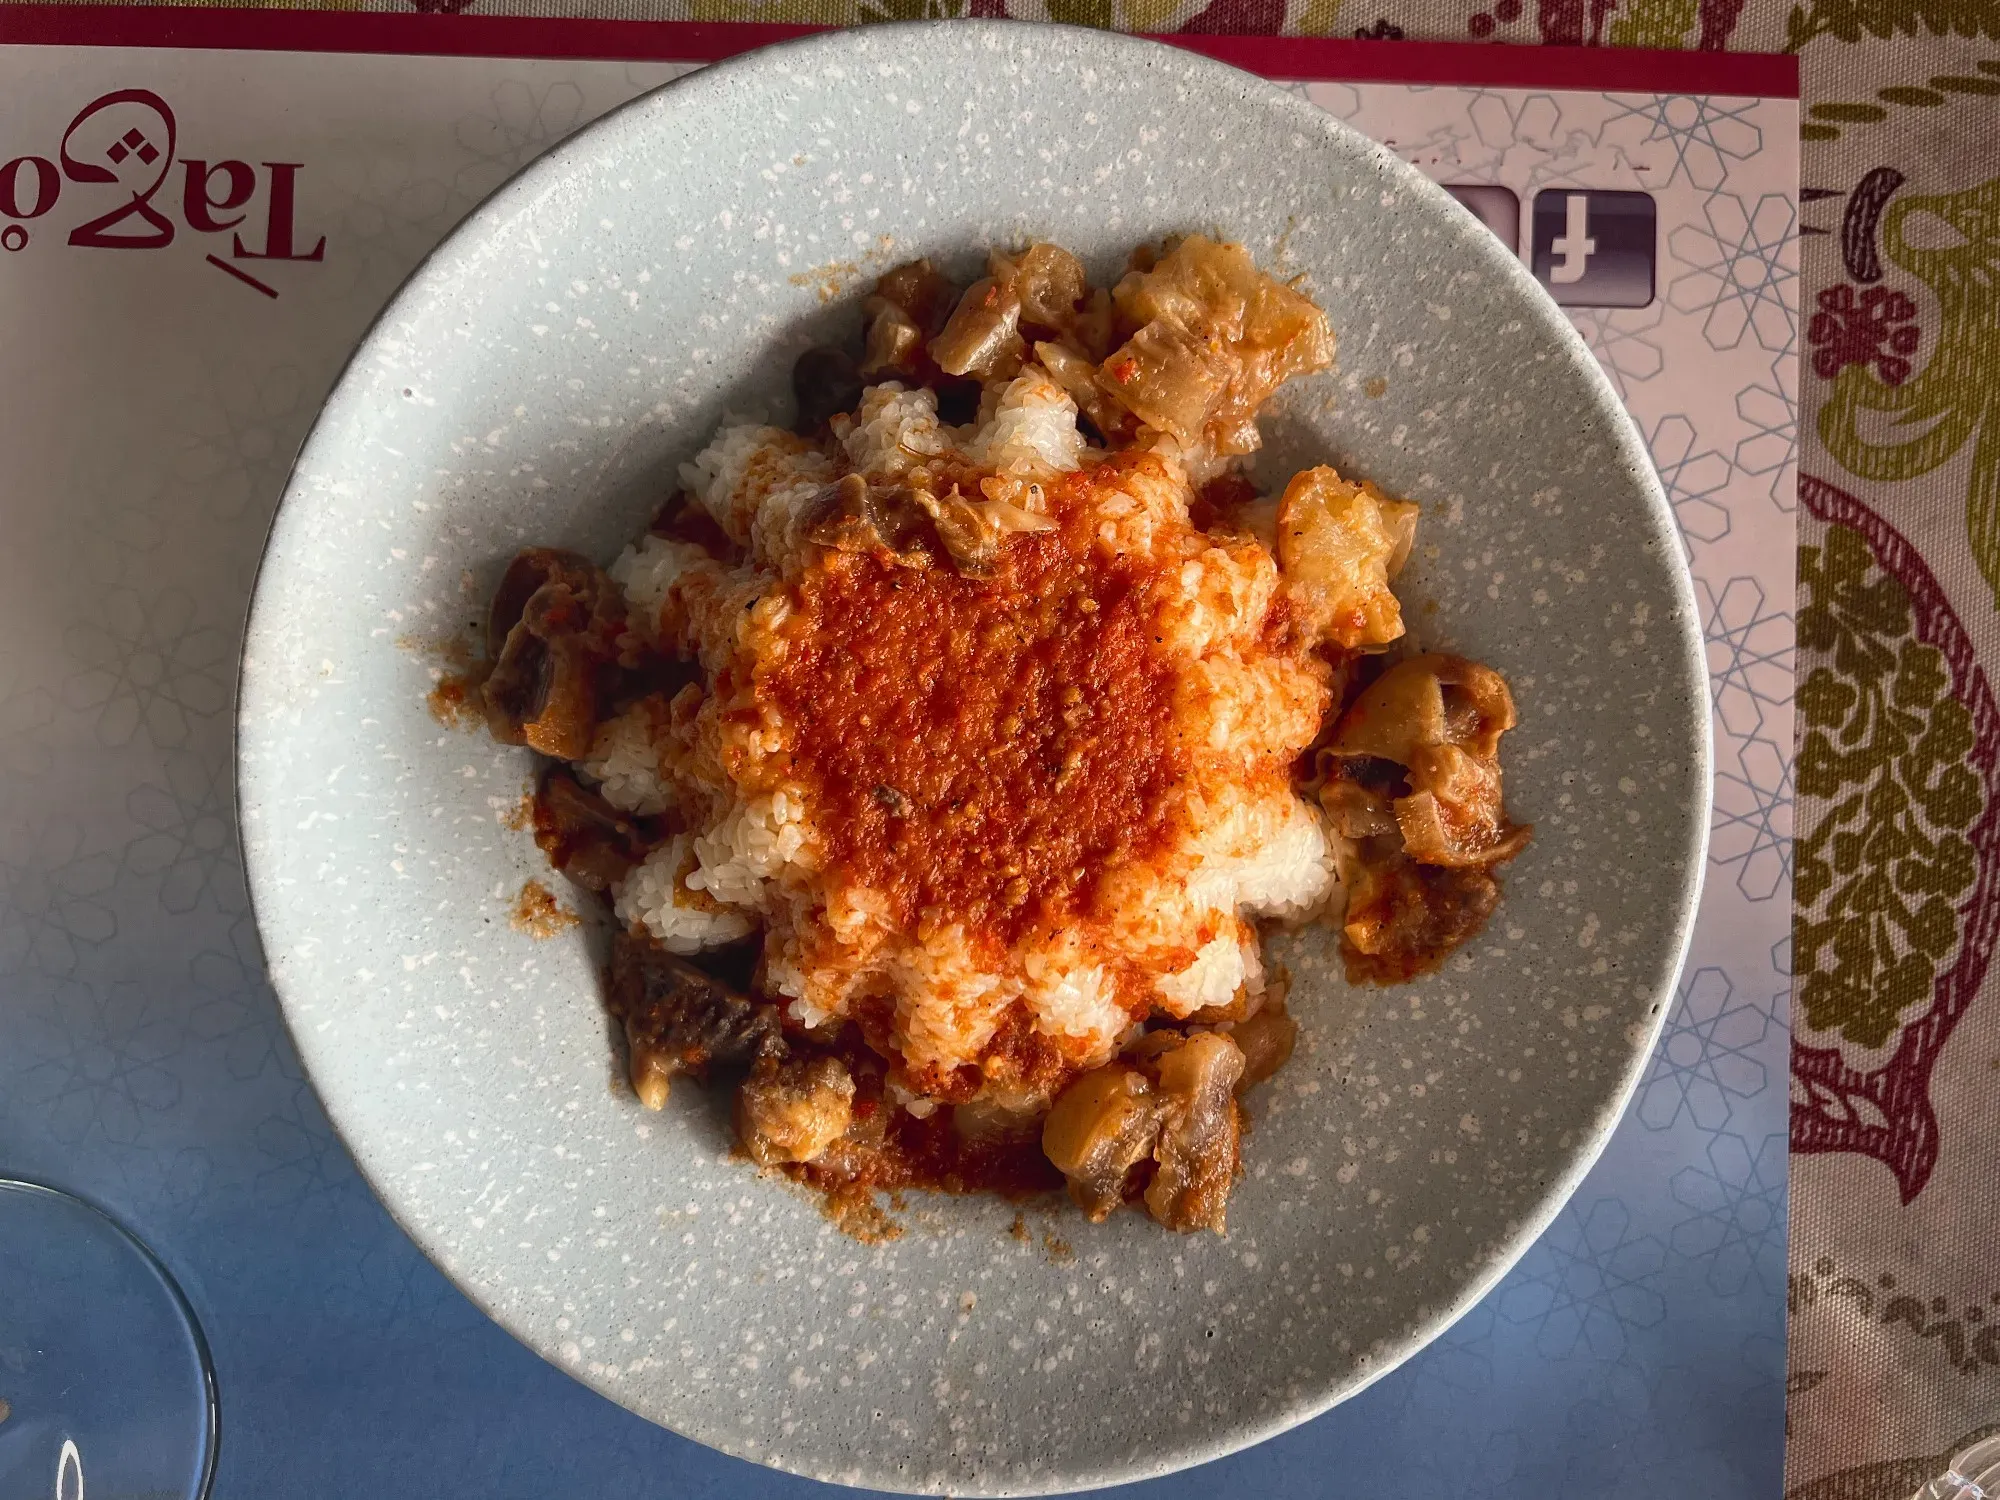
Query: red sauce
[[931, 1154], [454, 702], [1420, 916], [890, 1150], [984, 751], [537, 913]]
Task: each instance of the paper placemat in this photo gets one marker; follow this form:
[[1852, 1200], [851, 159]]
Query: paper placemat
[[176, 321]]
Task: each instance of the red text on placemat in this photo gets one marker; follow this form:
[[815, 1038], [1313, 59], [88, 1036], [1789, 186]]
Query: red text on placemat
[[130, 188]]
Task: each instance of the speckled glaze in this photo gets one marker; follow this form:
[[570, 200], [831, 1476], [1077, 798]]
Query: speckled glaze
[[536, 382]]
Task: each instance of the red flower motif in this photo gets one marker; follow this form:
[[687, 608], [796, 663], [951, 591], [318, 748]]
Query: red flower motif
[[1238, 18], [1875, 329]]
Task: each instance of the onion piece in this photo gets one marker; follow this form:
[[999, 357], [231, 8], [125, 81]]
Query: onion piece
[[981, 337]]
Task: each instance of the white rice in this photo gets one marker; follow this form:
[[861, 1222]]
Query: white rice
[[1148, 510], [1268, 858], [752, 844], [624, 761], [656, 895], [1226, 593], [1225, 964], [744, 465], [1033, 428], [1261, 850], [1260, 519], [892, 430], [715, 471], [774, 533], [947, 1007], [784, 974], [647, 573], [1073, 998]]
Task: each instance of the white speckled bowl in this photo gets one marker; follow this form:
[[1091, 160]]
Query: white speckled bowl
[[538, 379]]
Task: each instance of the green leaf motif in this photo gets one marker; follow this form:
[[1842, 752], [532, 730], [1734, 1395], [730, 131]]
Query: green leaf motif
[[1955, 399], [1081, 12], [912, 10], [796, 12], [1880, 876], [1850, 20], [1654, 23]]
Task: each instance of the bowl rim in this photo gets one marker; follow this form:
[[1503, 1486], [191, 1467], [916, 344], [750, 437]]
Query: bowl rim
[[547, 171]]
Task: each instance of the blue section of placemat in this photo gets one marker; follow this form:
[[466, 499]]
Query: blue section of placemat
[[1610, 1362], [1638, 1349]]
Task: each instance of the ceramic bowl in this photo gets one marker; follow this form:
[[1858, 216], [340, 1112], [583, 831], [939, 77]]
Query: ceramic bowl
[[537, 381]]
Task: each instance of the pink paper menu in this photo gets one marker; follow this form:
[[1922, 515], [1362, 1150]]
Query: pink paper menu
[[193, 235]]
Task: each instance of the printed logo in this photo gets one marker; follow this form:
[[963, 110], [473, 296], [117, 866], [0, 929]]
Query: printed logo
[[122, 149], [1595, 248]]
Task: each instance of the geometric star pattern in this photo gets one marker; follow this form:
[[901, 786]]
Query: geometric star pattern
[[233, 460], [1771, 451], [1624, 341], [237, 1014], [1749, 654], [1708, 1058], [96, 1061], [110, 533], [1749, 648], [1742, 271], [26, 715], [144, 665], [1505, 120], [1526, 140], [302, 1165], [1750, 833], [521, 122], [189, 845], [1737, 1229], [1696, 480], [1707, 135], [1587, 1282], [54, 898]]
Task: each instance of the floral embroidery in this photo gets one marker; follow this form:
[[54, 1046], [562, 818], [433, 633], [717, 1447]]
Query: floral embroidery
[[1885, 741], [1877, 328], [1895, 917], [1893, 432]]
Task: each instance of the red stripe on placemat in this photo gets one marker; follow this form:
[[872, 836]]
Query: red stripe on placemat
[[437, 34], [1593, 69], [1498, 65]]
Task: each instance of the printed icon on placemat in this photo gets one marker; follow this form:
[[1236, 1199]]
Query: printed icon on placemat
[[1495, 207], [1595, 248]]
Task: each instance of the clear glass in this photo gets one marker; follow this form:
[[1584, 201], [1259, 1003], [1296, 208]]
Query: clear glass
[[105, 1382], [1973, 1475]]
